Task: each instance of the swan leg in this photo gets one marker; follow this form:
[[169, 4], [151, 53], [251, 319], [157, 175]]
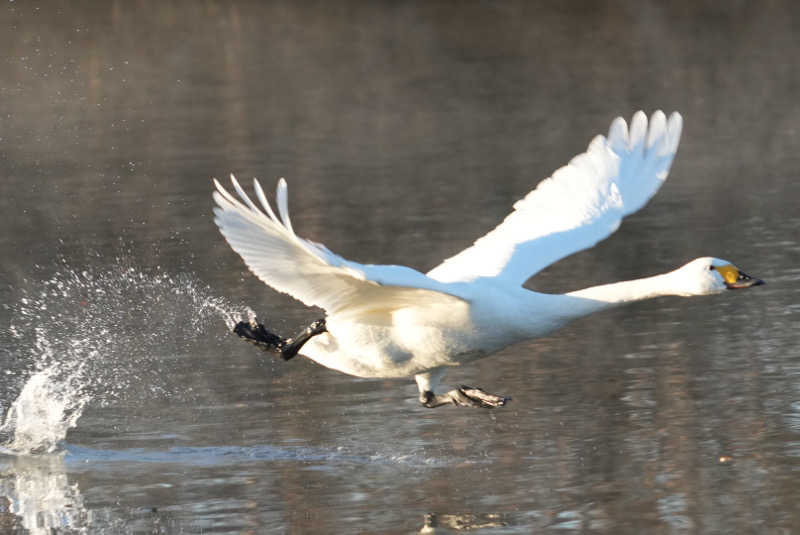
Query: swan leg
[[258, 335], [464, 396]]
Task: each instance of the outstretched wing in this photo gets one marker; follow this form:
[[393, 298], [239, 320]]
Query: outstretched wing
[[308, 271], [581, 204]]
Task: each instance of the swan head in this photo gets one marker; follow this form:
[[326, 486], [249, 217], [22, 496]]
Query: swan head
[[708, 275]]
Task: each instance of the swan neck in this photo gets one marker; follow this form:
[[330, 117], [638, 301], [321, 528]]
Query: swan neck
[[548, 312], [619, 293]]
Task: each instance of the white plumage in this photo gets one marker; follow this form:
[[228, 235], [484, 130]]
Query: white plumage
[[582, 203], [393, 321]]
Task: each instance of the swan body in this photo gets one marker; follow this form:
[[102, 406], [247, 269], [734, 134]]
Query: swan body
[[393, 321]]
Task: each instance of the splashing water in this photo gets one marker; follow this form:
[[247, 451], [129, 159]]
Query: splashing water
[[50, 403], [99, 336]]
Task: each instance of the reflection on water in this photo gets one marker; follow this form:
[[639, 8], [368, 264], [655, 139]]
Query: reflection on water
[[40, 496], [406, 131], [439, 523]]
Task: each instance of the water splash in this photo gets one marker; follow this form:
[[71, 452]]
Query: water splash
[[100, 336], [49, 405]]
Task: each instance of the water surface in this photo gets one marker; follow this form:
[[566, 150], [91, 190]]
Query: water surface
[[405, 131]]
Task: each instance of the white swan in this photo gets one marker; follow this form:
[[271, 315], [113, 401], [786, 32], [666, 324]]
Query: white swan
[[393, 321]]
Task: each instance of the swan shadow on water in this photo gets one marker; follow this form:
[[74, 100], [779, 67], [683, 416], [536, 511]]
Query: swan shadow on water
[[387, 321]]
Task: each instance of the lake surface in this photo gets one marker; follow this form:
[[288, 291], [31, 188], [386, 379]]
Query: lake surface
[[405, 130]]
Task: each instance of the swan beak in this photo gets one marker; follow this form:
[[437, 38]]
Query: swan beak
[[742, 280]]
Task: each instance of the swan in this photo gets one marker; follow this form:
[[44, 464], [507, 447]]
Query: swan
[[387, 321]]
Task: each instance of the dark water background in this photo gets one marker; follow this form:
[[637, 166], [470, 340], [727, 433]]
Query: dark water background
[[406, 130]]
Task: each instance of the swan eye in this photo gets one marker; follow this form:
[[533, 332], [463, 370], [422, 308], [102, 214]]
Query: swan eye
[[711, 268]]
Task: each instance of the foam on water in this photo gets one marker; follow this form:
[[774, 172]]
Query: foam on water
[[99, 336]]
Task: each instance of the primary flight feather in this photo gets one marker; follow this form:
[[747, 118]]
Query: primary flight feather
[[582, 203], [393, 321]]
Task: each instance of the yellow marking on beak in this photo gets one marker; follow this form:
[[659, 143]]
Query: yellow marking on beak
[[729, 273]]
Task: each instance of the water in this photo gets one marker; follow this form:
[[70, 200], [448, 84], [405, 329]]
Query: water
[[80, 336], [405, 132]]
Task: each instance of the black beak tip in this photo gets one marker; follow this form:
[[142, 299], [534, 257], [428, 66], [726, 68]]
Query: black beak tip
[[750, 282]]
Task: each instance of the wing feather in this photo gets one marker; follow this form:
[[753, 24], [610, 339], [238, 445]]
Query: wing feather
[[579, 205], [309, 271]]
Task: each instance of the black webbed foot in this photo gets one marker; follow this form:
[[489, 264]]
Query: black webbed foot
[[475, 397], [464, 396], [257, 334]]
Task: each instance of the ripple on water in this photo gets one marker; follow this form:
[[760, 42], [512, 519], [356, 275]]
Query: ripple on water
[[76, 456]]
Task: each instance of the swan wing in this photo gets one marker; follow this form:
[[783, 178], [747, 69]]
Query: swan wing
[[308, 271], [579, 205]]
